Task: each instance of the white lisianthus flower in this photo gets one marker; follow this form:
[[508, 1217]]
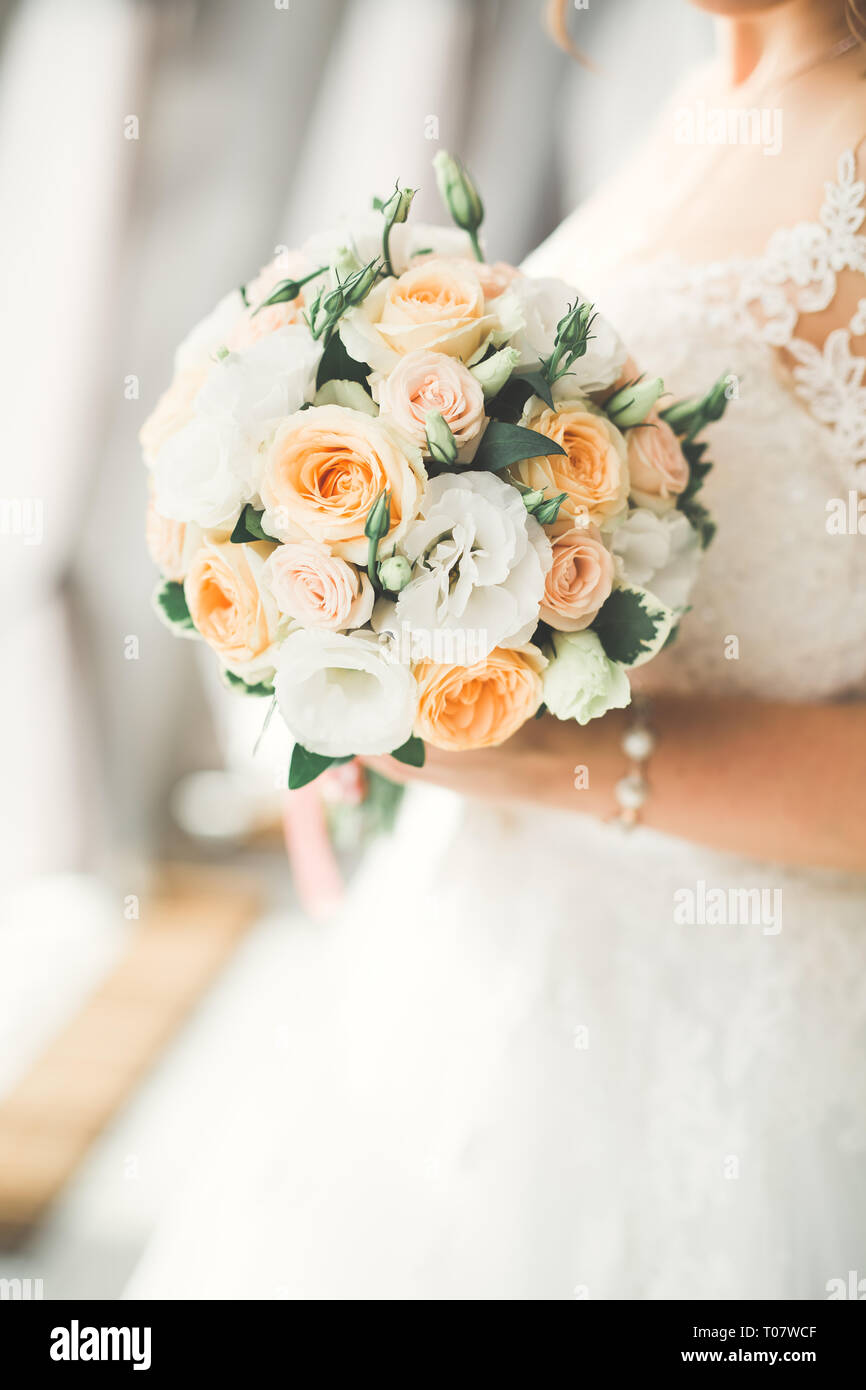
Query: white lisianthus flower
[[361, 237], [200, 345], [195, 478], [580, 681], [529, 311], [480, 564], [341, 694], [264, 382], [659, 553], [207, 470]]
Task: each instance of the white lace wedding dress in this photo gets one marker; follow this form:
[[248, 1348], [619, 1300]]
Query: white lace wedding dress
[[517, 1076]]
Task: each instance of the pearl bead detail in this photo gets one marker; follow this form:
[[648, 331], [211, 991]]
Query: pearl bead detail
[[638, 743], [631, 791]]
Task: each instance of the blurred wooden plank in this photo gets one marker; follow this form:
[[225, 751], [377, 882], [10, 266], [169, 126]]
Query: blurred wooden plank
[[189, 928]]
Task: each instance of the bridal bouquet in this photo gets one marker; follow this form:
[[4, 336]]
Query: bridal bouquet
[[413, 497]]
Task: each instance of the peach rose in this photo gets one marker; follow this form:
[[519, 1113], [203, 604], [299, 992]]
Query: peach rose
[[324, 471], [438, 305], [478, 706], [423, 381], [657, 465], [494, 278], [230, 606], [579, 580], [171, 544], [318, 588], [173, 410], [593, 471], [254, 325]]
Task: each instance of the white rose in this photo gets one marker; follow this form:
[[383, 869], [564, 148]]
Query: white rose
[[256, 388], [344, 694], [195, 477], [200, 344], [580, 681], [481, 562], [659, 553], [266, 381], [529, 311]]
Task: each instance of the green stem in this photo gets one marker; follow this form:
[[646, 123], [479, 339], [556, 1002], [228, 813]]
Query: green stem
[[476, 245], [386, 248], [372, 553]]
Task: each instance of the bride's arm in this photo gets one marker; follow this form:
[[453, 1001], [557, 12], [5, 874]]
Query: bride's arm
[[773, 781]]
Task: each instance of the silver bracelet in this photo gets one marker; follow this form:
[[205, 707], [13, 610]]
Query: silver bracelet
[[638, 744]]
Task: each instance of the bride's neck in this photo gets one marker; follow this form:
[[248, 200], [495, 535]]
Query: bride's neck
[[778, 41]]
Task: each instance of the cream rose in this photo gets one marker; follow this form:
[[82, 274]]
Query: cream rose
[[593, 471], [657, 465], [494, 277], [231, 607], [478, 706], [317, 588], [580, 579], [426, 381], [324, 471], [438, 305], [171, 544]]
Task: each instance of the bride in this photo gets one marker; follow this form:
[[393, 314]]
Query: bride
[[544, 1058]]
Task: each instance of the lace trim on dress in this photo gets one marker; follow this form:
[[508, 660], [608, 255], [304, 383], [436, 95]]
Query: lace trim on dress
[[797, 275]]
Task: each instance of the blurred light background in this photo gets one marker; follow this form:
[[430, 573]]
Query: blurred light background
[[151, 156]]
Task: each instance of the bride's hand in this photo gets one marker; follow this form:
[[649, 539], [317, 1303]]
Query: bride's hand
[[548, 762]]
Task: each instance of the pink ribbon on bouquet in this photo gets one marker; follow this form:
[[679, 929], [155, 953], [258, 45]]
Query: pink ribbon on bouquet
[[315, 870]]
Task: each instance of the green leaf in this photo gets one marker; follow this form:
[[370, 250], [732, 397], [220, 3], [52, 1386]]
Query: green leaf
[[170, 603], [632, 625], [248, 527], [535, 378], [503, 444], [305, 766], [238, 683], [699, 467], [699, 519], [412, 752], [508, 403], [337, 365]]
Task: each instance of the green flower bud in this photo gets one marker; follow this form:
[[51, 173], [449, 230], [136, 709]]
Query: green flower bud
[[573, 329], [547, 512], [494, 371], [441, 444], [377, 525], [458, 192], [532, 499], [378, 520], [396, 209], [395, 573], [632, 404]]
